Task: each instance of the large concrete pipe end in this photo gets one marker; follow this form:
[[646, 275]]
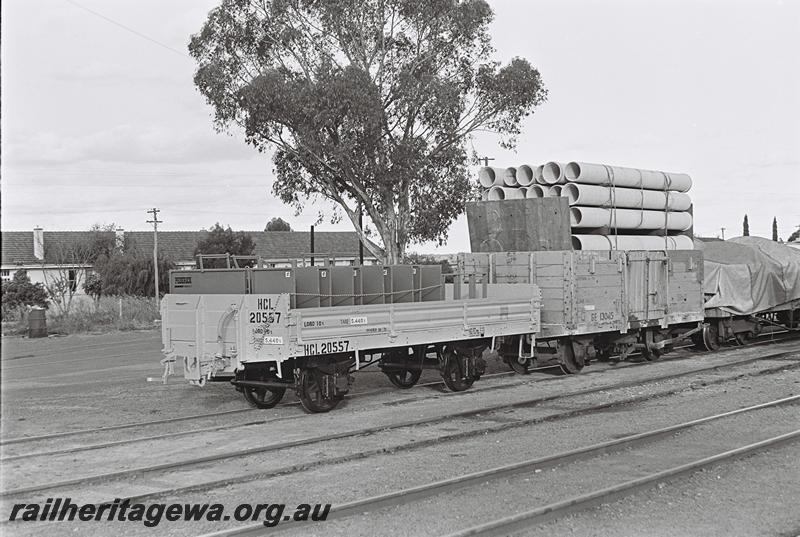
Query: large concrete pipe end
[[526, 175], [553, 173], [497, 193], [554, 192], [572, 193], [538, 174], [489, 176], [535, 191]]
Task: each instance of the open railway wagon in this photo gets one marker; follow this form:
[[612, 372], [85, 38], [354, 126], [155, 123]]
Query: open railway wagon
[[751, 285], [595, 303], [309, 328]]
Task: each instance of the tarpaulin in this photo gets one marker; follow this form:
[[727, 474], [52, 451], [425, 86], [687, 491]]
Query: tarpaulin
[[747, 275]]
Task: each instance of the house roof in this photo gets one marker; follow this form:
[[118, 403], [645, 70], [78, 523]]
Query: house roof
[[180, 245], [17, 246]]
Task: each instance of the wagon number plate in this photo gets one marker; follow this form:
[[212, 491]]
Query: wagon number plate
[[326, 347]]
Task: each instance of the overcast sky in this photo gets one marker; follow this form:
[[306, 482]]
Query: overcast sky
[[100, 124]]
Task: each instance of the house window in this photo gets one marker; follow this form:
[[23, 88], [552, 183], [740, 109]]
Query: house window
[[73, 280], [6, 275]]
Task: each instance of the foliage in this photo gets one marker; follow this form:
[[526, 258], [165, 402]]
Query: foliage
[[794, 236], [278, 224], [366, 103], [745, 227], [20, 292], [224, 241], [93, 285], [422, 259], [775, 229], [129, 273], [108, 313], [102, 241]]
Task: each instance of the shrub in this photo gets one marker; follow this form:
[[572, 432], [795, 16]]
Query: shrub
[[137, 313]]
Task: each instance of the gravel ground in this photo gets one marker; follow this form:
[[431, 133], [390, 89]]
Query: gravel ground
[[756, 495], [358, 479], [27, 472]]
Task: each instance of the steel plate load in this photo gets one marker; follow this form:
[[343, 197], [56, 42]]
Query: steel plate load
[[600, 174], [489, 177], [596, 217], [631, 198]]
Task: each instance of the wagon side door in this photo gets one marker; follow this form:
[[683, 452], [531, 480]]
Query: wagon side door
[[646, 287]]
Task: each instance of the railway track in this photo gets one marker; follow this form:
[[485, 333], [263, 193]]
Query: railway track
[[138, 426], [441, 436], [517, 521]]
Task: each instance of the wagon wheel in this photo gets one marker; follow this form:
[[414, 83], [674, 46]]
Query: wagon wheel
[[452, 373], [649, 352], [509, 353], [710, 337], [404, 378], [311, 395], [570, 361], [517, 367], [743, 338], [263, 397]]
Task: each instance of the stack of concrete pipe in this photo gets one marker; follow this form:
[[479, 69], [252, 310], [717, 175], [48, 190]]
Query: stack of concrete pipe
[[515, 183], [609, 205]]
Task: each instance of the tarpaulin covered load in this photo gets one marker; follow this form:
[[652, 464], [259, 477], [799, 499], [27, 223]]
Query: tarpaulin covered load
[[749, 274]]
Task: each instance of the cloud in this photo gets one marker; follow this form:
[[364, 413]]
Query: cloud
[[127, 144]]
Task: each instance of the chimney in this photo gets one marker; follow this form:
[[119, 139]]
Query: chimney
[[38, 243], [119, 239]]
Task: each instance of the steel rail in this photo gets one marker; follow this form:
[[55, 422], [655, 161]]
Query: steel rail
[[540, 515], [65, 434], [404, 424], [405, 496]]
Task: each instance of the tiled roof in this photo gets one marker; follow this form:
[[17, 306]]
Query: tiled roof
[[179, 245], [17, 246]]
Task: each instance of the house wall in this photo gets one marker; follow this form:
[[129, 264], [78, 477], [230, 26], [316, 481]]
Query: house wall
[[45, 275]]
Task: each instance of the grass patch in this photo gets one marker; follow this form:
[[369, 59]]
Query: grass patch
[[107, 314]]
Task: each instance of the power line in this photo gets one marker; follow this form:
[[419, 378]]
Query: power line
[[128, 29]]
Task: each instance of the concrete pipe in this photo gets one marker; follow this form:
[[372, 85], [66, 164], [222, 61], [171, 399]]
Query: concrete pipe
[[535, 191], [599, 174], [633, 198], [497, 193], [537, 174], [554, 192], [489, 176], [594, 217], [631, 242], [526, 175], [553, 173]]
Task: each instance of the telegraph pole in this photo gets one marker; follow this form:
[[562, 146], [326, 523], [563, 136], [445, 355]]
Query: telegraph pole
[[155, 221], [723, 233], [485, 160]]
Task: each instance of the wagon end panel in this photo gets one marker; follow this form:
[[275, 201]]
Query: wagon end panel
[[685, 286]]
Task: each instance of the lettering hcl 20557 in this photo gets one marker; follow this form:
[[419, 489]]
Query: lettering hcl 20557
[[326, 347]]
